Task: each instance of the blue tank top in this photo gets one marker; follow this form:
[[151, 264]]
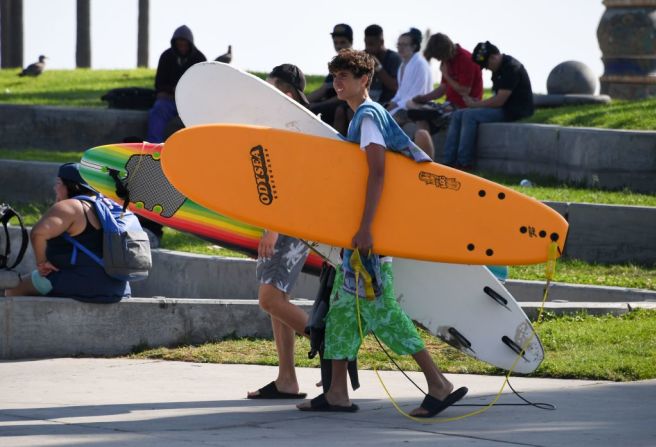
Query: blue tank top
[[85, 279]]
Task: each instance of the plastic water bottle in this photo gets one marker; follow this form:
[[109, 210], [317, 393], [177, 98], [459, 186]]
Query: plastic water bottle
[[526, 183]]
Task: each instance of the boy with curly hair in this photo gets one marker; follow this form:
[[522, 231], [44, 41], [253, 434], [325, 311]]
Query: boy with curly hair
[[376, 132]]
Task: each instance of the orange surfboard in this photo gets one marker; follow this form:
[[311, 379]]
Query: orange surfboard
[[314, 188]]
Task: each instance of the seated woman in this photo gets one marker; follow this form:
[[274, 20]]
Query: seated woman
[[56, 274], [414, 76]]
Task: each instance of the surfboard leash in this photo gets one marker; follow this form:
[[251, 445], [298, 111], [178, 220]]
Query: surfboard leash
[[549, 272]]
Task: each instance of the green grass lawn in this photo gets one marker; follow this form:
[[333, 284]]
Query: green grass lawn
[[81, 87], [634, 115], [84, 87], [576, 347]]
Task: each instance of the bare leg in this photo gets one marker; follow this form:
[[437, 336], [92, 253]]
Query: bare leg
[[438, 385], [286, 318], [24, 288], [276, 303], [425, 142]]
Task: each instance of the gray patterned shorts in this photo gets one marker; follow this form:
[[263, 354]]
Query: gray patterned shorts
[[283, 268]]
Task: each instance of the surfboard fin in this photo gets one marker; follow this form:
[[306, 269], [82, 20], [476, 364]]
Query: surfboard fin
[[514, 346], [460, 339], [496, 296]]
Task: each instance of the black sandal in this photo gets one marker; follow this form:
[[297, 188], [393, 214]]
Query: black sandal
[[435, 406], [270, 391], [320, 403]]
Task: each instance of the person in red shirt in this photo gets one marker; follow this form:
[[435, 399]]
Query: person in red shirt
[[461, 77]]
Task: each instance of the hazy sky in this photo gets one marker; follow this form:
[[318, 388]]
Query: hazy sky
[[540, 33]]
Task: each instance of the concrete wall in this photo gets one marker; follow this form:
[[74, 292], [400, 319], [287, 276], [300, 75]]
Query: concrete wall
[[27, 181], [601, 158], [177, 274], [62, 327], [67, 128]]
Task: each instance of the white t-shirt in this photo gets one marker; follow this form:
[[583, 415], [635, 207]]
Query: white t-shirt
[[369, 133]]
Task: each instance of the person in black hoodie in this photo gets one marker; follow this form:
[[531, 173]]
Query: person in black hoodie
[[172, 64]]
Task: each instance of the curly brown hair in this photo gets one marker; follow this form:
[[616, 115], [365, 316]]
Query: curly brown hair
[[357, 62]]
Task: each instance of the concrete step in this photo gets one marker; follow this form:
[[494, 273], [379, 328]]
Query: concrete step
[[177, 274], [61, 327]]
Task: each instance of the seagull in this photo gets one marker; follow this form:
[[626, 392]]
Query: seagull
[[227, 57], [36, 68]]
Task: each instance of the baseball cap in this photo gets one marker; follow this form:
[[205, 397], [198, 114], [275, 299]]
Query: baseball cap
[[482, 52], [342, 29], [71, 172], [292, 75]]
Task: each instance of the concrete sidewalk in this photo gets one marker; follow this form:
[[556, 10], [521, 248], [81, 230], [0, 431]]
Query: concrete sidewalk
[[116, 402]]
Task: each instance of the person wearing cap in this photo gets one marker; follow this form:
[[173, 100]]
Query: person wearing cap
[[172, 64], [279, 263], [324, 101], [57, 273], [512, 100], [384, 84], [461, 77]]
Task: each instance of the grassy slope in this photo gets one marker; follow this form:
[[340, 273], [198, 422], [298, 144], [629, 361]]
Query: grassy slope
[[81, 87]]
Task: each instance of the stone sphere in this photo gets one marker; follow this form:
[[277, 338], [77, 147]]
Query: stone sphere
[[571, 77]]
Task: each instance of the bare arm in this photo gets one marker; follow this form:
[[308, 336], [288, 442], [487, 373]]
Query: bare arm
[[57, 220], [435, 94], [376, 163], [388, 81], [462, 90]]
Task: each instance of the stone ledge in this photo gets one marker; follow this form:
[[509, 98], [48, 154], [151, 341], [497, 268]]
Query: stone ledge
[[600, 158], [67, 128], [531, 308], [528, 291], [178, 274], [62, 327], [41, 327]]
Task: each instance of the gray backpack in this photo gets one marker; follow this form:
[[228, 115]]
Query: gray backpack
[[126, 247]]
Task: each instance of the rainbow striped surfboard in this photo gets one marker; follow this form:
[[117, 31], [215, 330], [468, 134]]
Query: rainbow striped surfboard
[[153, 197]]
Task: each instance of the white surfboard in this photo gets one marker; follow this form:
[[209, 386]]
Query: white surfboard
[[466, 306]]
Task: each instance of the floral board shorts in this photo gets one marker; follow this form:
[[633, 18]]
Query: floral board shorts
[[283, 268], [383, 316]]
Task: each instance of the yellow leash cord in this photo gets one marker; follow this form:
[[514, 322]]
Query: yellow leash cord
[[550, 268]]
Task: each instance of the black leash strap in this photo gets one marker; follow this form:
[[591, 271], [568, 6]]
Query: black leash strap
[[121, 188], [6, 214]]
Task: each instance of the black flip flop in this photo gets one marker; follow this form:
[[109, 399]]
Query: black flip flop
[[270, 391], [434, 405], [320, 403]]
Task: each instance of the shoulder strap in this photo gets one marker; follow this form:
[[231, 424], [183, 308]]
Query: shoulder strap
[[8, 214], [77, 245]]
